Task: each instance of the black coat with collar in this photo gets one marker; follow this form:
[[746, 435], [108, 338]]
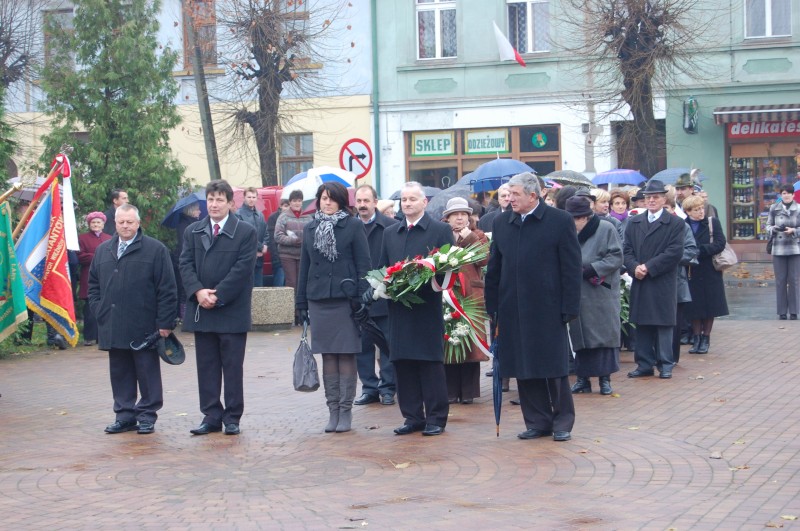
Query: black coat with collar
[[132, 296], [321, 279], [658, 245], [532, 281], [416, 333], [375, 230], [224, 263]]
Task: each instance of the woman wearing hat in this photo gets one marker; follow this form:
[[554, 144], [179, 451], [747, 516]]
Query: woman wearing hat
[[88, 242], [463, 379], [334, 259], [595, 334]]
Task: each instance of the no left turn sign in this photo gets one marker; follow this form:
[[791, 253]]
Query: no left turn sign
[[356, 156]]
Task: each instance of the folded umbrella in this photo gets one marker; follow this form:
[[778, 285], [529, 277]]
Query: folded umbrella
[[497, 380]]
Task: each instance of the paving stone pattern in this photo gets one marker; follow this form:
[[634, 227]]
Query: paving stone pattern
[[641, 459]]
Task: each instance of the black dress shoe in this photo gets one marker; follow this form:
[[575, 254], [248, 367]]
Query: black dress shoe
[[146, 427], [232, 429], [490, 373], [205, 429], [782, 317], [466, 401], [638, 373], [122, 426], [561, 436], [514, 402], [665, 375], [793, 317], [534, 434], [365, 399], [387, 400], [408, 428], [433, 429]]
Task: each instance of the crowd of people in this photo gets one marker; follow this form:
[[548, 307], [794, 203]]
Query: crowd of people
[[649, 249]]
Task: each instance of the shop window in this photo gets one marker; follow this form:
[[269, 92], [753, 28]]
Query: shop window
[[205, 30], [63, 20], [296, 155], [529, 25], [436, 29], [768, 18]]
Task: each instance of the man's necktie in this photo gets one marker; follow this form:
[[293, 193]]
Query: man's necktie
[[411, 226], [216, 229], [121, 249], [651, 217]]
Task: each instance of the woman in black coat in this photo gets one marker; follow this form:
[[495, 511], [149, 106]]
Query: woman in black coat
[[334, 260], [705, 282]]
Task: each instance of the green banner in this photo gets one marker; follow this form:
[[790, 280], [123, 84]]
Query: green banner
[[12, 297]]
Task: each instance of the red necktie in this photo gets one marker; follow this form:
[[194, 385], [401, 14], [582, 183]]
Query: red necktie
[[411, 226], [216, 229]]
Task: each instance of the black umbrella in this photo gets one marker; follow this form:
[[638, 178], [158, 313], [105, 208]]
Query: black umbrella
[[365, 323], [430, 191], [437, 205], [565, 177], [497, 381]]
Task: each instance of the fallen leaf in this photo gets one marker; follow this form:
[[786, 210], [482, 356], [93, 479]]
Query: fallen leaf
[[615, 395], [699, 377], [399, 465], [715, 373], [598, 441], [788, 517], [182, 415], [62, 412], [740, 467], [772, 524], [715, 455], [583, 451], [633, 427], [739, 442], [372, 427], [722, 400]]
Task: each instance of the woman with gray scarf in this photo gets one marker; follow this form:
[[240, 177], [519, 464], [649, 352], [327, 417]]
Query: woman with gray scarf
[[333, 263]]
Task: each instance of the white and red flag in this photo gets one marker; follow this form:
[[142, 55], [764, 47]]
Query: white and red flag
[[507, 52]]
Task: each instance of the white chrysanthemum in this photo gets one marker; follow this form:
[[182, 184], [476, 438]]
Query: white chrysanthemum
[[448, 316], [454, 341]]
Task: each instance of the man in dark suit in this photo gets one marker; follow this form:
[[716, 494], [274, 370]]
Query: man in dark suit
[[653, 248], [532, 310], [503, 198], [249, 213], [416, 344], [373, 388], [132, 292], [216, 267], [118, 197]]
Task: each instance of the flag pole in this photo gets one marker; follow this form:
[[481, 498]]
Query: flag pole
[[54, 170]]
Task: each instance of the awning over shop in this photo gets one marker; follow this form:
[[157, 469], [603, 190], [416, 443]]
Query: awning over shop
[[757, 113]]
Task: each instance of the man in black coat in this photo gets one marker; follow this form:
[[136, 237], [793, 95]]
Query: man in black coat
[[486, 221], [118, 197], [249, 213], [373, 388], [216, 267], [533, 289], [416, 344], [653, 248], [132, 293]]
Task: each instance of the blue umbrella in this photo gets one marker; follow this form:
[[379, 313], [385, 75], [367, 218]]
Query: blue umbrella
[[670, 175], [490, 175], [172, 219], [618, 176]]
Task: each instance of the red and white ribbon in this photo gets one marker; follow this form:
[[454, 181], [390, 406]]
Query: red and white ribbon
[[452, 301]]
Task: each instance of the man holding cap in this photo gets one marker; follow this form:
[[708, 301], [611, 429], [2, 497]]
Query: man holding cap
[[653, 247]]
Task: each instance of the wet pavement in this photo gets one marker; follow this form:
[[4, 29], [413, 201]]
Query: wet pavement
[[716, 447]]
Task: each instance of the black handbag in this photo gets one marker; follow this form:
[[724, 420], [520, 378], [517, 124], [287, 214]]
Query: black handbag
[[769, 243]]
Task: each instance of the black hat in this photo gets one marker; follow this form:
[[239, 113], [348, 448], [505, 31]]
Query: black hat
[[171, 350], [578, 206], [654, 186], [583, 192], [638, 196]]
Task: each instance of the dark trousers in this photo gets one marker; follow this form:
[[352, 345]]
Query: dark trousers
[[89, 322], [220, 357], [653, 347], [422, 392], [463, 380], [258, 275], [129, 369], [546, 403], [371, 384], [677, 332]]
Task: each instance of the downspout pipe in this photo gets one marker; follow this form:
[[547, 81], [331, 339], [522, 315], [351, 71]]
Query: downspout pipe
[[376, 123]]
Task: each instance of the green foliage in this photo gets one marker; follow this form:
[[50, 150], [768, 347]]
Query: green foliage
[[110, 78]]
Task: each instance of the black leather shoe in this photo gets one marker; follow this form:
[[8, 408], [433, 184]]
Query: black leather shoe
[[665, 375], [121, 426], [365, 399], [146, 427], [638, 373], [467, 401], [58, 341], [205, 429], [232, 429], [490, 373], [514, 402], [561, 436], [433, 429], [793, 317], [387, 400], [534, 434], [407, 429], [782, 317]]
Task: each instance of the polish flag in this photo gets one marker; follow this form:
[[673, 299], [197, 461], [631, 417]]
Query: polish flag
[[507, 52]]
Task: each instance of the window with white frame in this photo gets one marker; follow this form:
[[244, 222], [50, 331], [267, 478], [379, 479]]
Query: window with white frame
[[529, 25], [768, 18], [296, 154], [436, 29]]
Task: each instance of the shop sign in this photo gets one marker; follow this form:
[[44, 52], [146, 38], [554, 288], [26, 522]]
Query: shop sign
[[764, 129], [492, 141], [431, 144]]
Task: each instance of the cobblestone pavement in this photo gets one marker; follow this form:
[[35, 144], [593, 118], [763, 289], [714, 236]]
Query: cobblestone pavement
[[716, 447]]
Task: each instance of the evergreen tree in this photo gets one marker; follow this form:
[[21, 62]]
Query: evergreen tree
[[108, 76]]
